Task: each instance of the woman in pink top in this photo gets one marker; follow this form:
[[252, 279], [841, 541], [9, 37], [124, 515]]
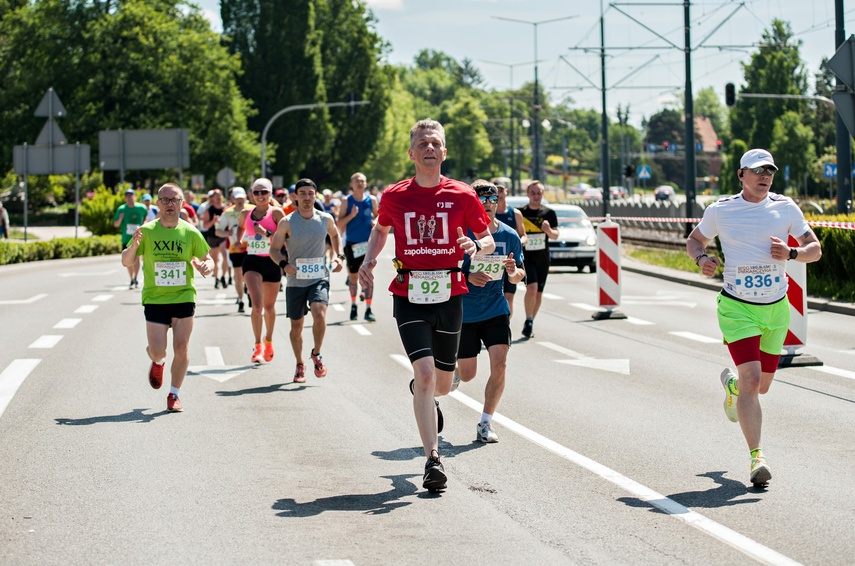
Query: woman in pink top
[[261, 275]]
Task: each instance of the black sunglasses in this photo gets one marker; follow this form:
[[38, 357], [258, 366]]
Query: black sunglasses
[[492, 199], [763, 170], [259, 193]]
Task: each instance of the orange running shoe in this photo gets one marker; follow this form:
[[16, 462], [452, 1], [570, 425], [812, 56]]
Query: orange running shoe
[[317, 359], [257, 356], [268, 351], [300, 374]]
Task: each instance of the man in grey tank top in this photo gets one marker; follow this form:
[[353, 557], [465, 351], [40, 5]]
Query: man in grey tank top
[[303, 233]]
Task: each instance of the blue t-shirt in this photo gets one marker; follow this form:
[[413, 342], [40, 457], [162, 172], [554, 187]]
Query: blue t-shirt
[[508, 217], [482, 303]]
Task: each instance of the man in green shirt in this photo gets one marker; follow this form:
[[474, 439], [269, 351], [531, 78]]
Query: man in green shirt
[[127, 219], [169, 247]]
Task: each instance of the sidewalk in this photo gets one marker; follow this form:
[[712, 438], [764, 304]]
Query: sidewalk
[[42, 233]]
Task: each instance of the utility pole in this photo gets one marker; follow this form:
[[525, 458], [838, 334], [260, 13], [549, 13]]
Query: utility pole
[[604, 122], [844, 151], [689, 135]]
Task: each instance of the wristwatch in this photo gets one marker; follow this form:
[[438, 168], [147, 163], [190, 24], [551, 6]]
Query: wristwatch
[[342, 257], [477, 245], [794, 253]]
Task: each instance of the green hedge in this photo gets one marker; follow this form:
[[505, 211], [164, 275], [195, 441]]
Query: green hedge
[[833, 276], [59, 248]]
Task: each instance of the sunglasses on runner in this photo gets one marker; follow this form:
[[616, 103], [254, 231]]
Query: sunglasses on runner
[[493, 199], [260, 193], [763, 170]]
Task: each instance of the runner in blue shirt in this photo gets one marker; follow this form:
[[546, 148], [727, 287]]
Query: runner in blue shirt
[[513, 218], [486, 313]]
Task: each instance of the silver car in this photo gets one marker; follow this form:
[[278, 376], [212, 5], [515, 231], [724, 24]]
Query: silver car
[[576, 245]]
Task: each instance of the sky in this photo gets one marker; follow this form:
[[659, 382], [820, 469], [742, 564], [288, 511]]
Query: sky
[[643, 70]]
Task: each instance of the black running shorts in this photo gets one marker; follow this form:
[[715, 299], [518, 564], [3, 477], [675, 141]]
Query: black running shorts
[[430, 330], [163, 314], [237, 258], [270, 272], [536, 265], [353, 263], [496, 330]]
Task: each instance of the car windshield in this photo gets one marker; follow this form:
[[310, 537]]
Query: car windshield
[[572, 218]]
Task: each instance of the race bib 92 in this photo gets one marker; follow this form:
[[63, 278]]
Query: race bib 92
[[429, 287]]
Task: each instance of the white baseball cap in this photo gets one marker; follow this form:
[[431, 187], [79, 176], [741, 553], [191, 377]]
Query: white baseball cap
[[238, 192], [757, 158]]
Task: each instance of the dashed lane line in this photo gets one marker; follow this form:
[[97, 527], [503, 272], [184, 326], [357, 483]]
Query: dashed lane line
[[46, 341], [67, 323], [360, 329], [834, 371], [29, 301], [86, 309], [12, 378], [738, 541], [697, 337], [101, 298]]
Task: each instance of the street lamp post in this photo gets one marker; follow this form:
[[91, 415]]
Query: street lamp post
[[535, 165]]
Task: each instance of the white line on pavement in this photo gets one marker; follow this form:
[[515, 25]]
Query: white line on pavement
[[360, 329], [337, 307], [697, 337], [726, 535], [552, 297], [585, 307], [47, 341], [12, 378], [101, 298], [88, 273], [67, 323], [639, 321], [834, 371], [214, 356], [86, 309], [29, 301]]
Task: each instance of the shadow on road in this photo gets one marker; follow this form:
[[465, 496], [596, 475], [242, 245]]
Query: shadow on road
[[135, 416], [370, 503], [276, 387], [417, 452], [724, 495]]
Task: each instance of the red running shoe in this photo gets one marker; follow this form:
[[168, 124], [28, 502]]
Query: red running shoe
[[155, 375], [173, 403], [268, 351], [317, 359], [300, 374], [257, 356]]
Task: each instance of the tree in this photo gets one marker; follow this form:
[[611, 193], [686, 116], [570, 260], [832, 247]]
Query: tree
[[708, 104], [728, 181], [776, 68], [467, 140], [132, 64], [389, 162], [792, 145]]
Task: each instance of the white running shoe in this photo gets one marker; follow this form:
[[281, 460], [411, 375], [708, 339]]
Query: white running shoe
[[486, 433], [455, 383], [728, 380]]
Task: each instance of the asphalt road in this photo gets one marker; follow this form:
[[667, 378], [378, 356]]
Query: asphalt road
[[614, 448]]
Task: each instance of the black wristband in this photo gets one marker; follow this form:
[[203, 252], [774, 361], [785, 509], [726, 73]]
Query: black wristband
[[698, 259], [283, 263], [477, 245]]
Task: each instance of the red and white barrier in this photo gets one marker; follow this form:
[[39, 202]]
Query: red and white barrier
[[797, 297], [608, 269]]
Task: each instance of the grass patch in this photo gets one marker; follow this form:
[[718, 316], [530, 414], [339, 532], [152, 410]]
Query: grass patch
[[672, 259], [16, 234]]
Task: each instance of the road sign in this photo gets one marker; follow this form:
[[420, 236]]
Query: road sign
[[197, 182], [278, 181], [842, 63], [643, 172], [226, 177], [128, 150], [50, 106], [51, 160], [830, 170]]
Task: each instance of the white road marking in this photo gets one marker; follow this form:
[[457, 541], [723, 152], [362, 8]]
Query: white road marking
[[585, 307], [119, 288], [216, 367], [639, 322], [220, 296], [29, 301], [67, 323], [684, 304], [86, 309], [360, 329], [12, 378], [47, 341], [834, 371], [726, 535], [222, 301], [337, 307], [101, 298], [552, 297], [581, 360], [341, 562], [697, 337]]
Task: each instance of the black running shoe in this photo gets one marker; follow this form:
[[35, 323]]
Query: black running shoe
[[369, 316], [435, 478], [223, 281], [528, 327], [440, 420], [353, 313], [216, 283], [240, 306]]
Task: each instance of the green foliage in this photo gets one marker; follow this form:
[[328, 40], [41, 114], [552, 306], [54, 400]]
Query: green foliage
[[833, 276], [96, 213], [58, 248], [728, 181], [707, 103], [388, 162], [130, 64], [466, 138], [776, 68], [792, 144]]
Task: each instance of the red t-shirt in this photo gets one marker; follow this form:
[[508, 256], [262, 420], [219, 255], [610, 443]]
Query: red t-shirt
[[424, 221]]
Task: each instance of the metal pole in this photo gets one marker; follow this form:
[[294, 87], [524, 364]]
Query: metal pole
[[844, 152], [121, 156], [535, 158], [26, 169], [76, 187], [604, 125], [690, 120], [276, 116]]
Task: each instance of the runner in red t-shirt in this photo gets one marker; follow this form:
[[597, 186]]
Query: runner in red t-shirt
[[430, 214]]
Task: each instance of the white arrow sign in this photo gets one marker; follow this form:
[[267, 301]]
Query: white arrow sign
[[615, 366], [217, 368]]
